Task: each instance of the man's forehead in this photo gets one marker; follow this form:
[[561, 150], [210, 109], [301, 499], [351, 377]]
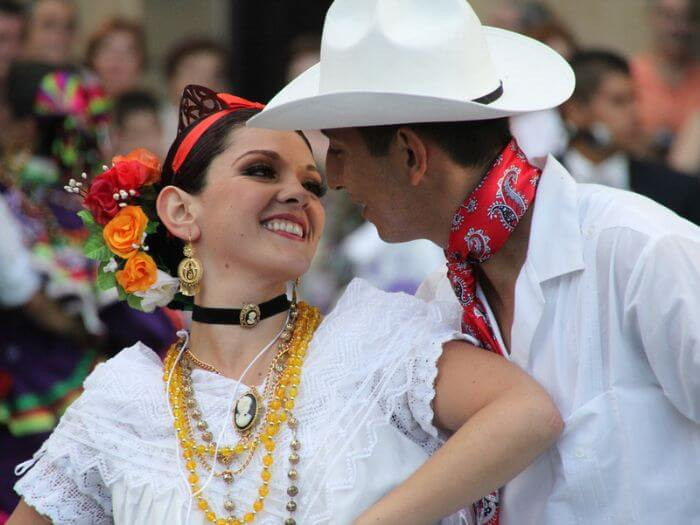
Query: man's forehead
[[339, 133]]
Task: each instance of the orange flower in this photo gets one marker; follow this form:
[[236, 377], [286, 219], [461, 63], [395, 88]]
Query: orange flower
[[147, 159], [125, 230], [139, 274]]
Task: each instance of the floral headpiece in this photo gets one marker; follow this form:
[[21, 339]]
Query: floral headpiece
[[120, 209], [120, 215]]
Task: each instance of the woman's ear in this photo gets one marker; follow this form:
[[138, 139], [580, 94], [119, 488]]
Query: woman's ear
[[414, 154], [176, 211]]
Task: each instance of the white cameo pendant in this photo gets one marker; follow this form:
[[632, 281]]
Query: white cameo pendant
[[247, 411]]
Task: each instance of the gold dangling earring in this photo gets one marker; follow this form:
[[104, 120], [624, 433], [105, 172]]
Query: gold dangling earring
[[189, 271]]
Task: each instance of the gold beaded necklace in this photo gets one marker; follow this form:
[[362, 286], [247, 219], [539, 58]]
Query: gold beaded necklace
[[284, 390]]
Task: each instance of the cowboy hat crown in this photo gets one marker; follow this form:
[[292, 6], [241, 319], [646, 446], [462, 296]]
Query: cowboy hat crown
[[403, 61]]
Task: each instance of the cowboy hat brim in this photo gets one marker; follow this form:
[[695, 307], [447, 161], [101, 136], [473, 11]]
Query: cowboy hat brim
[[534, 77]]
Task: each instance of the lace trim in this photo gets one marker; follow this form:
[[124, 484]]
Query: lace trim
[[360, 374]]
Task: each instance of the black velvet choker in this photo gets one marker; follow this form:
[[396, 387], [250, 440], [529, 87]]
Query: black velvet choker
[[248, 316]]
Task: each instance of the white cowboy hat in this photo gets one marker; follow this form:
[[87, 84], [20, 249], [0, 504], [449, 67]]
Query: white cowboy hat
[[405, 61]]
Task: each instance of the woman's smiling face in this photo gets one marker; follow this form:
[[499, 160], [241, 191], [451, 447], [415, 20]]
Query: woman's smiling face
[[260, 210]]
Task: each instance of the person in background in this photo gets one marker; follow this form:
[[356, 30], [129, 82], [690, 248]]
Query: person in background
[[602, 114], [304, 52], [52, 131], [12, 21], [116, 53], [685, 151], [51, 31], [136, 123], [196, 60], [667, 75], [543, 132]]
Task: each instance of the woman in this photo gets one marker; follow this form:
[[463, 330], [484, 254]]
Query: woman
[[116, 53], [343, 417]]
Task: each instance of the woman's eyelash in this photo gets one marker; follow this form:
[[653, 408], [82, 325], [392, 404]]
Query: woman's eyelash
[[317, 188], [260, 170]]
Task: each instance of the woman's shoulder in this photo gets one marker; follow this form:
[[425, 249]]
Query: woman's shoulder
[[373, 311], [132, 365], [382, 328], [128, 386]]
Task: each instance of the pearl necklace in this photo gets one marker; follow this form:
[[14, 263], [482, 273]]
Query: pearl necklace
[[279, 411]]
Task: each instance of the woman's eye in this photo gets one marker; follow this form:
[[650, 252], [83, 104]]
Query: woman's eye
[[260, 170], [317, 188]]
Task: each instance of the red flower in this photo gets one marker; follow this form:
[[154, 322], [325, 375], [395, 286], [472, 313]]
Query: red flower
[[129, 174], [100, 197], [5, 384]]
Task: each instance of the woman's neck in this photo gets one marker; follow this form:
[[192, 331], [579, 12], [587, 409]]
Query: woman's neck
[[231, 348]]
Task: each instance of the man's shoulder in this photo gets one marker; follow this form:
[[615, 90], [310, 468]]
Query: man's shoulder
[[602, 209]]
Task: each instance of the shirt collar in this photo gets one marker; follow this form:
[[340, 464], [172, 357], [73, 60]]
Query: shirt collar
[[613, 171], [555, 247]]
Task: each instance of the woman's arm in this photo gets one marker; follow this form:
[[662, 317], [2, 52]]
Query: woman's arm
[[26, 515], [502, 421]]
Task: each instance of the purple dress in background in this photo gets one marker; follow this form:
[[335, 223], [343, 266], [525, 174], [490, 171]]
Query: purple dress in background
[[46, 371]]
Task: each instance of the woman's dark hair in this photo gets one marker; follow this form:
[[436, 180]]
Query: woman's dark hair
[[192, 175]]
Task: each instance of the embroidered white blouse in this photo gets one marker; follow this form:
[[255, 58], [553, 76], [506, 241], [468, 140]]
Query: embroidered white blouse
[[365, 424]]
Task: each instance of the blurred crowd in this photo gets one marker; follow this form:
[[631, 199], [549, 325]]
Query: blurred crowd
[[632, 122]]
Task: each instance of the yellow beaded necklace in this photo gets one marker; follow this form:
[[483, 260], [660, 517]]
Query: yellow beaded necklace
[[279, 411]]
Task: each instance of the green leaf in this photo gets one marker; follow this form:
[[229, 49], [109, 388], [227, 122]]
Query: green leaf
[[105, 280], [121, 293], [89, 221], [152, 227], [134, 302], [96, 249]]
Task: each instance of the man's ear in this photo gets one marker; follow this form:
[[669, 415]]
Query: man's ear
[[576, 113], [176, 211], [414, 154]]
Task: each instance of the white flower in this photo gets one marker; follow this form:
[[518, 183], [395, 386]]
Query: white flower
[[111, 266], [160, 294]]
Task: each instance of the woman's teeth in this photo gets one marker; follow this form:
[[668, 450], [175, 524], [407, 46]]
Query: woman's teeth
[[285, 226]]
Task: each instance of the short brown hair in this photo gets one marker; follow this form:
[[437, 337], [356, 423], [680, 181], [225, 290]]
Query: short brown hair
[[195, 46], [468, 143], [116, 25]]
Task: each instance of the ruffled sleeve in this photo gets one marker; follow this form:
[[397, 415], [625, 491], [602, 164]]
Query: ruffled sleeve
[[97, 441], [403, 338]]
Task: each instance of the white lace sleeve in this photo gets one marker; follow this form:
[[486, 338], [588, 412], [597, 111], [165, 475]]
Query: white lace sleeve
[[97, 441], [413, 412]]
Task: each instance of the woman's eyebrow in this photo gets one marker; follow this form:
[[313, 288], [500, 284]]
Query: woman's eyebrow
[[272, 154]]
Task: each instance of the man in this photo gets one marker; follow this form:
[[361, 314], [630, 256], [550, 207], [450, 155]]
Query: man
[[667, 76], [194, 60], [592, 290], [603, 114], [136, 123], [51, 31]]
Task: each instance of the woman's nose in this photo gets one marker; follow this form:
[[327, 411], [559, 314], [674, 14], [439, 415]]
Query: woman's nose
[[293, 193]]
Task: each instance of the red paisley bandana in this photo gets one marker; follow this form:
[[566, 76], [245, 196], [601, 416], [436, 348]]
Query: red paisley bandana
[[480, 228]]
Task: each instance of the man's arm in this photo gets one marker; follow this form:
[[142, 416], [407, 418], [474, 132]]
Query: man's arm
[[502, 421], [662, 309]]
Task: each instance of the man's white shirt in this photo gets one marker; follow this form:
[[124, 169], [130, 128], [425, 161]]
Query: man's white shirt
[[607, 319]]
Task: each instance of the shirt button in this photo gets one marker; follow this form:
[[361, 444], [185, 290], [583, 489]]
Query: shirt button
[[579, 453]]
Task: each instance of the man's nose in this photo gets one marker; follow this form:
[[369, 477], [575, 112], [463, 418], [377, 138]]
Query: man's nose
[[334, 175]]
